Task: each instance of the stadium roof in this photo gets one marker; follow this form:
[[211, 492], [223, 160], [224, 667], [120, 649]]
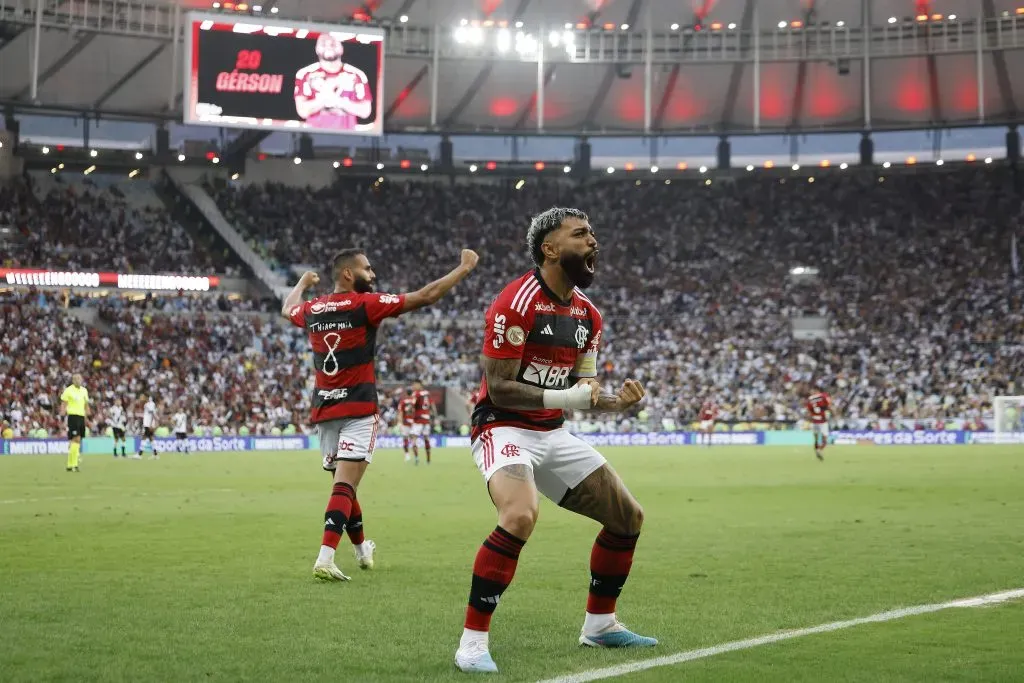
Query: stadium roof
[[95, 68]]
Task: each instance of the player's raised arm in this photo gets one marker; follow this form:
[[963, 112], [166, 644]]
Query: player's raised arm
[[294, 298], [433, 292]]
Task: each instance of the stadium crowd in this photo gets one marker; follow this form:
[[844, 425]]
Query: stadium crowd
[[226, 371], [83, 226], [695, 282]]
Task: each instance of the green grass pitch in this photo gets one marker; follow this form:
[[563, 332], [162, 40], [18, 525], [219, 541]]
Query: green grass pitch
[[198, 567]]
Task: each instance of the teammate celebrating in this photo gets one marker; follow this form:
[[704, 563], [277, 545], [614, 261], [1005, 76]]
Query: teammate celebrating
[[148, 428], [540, 348], [819, 405], [407, 418], [342, 329], [708, 413], [181, 431], [75, 398], [424, 418], [118, 420]]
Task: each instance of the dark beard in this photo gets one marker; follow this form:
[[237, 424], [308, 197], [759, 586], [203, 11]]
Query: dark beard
[[573, 265], [362, 285]]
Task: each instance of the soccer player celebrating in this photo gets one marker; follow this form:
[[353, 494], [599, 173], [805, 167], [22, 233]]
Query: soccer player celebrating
[[342, 329], [407, 417], [118, 421], [819, 405], [540, 348], [424, 418], [75, 398]]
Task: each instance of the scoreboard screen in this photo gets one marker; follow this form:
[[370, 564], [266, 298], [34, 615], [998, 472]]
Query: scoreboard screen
[[282, 75]]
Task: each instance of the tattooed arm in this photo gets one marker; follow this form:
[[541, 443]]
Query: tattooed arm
[[505, 389]]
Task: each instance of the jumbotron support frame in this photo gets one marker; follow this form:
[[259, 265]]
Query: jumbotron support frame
[[745, 48]]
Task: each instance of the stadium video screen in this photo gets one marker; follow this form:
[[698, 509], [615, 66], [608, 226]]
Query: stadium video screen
[[282, 75]]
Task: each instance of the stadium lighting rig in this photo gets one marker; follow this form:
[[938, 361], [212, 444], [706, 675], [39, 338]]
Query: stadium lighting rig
[[505, 40], [241, 8]]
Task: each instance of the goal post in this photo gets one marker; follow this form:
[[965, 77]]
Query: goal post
[[1008, 412]]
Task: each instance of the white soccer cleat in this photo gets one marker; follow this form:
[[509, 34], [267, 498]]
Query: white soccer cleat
[[474, 658], [364, 554], [328, 571], [616, 635]]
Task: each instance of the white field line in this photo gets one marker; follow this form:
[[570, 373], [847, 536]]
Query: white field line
[[690, 655]]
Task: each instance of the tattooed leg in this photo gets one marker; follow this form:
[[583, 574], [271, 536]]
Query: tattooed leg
[[603, 497]]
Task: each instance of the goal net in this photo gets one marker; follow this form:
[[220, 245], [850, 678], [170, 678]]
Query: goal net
[[1009, 419]]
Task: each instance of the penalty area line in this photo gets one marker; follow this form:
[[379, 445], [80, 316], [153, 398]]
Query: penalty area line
[[704, 652]]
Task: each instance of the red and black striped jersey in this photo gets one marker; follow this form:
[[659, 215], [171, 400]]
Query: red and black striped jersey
[[818, 406], [708, 410], [555, 341], [423, 404], [342, 331], [407, 409]]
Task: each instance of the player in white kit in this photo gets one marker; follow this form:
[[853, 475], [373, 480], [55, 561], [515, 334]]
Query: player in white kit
[[181, 432], [148, 428], [118, 420]]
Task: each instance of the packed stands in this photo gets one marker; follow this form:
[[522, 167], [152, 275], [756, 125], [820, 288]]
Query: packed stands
[[696, 286], [695, 281], [90, 225], [230, 371]]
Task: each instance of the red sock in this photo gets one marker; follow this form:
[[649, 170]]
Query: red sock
[[339, 507], [415, 449], [610, 561], [493, 569], [354, 528], [405, 444], [426, 445]]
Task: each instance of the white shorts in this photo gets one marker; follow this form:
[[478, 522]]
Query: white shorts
[[350, 438], [559, 460], [705, 425], [820, 428], [405, 430], [421, 429]]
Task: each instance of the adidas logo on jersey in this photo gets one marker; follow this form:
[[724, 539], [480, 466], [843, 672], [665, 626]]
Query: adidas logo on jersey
[[547, 330]]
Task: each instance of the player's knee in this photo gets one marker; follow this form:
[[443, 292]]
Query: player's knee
[[630, 521], [519, 520], [636, 519]]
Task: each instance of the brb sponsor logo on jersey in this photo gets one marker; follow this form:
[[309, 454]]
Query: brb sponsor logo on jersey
[[546, 376]]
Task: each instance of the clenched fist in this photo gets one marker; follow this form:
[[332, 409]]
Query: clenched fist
[[632, 392], [469, 259]]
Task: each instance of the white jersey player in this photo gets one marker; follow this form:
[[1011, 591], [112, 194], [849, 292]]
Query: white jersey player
[[118, 421], [181, 432], [148, 428]]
